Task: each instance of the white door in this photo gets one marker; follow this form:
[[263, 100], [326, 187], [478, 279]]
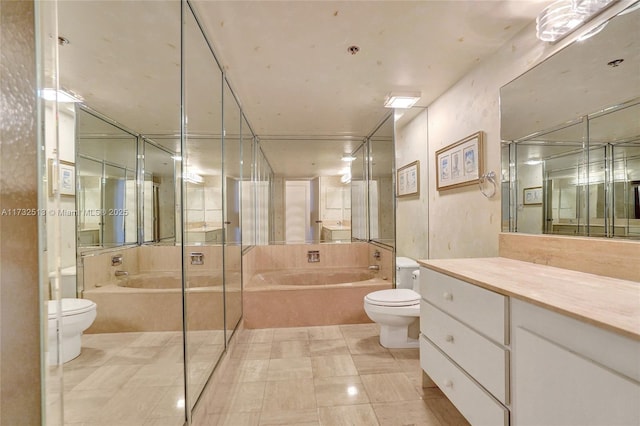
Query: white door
[[297, 206], [315, 221]]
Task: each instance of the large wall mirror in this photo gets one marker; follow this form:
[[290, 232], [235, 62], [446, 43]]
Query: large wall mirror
[[571, 137], [381, 184]]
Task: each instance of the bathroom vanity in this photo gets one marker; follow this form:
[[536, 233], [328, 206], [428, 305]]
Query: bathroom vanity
[[512, 342]]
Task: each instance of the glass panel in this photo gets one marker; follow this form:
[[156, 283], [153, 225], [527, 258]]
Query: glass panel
[[159, 194], [247, 189], [203, 215], [233, 240], [381, 185], [359, 216], [576, 168], [107, 214]]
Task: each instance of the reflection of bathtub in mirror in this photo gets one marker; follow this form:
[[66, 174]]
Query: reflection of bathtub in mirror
[[132, 303], [336, 233]]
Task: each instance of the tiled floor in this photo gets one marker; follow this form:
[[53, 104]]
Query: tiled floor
[[333, 375], [131, 379]]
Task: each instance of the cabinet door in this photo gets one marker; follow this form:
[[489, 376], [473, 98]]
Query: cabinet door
[[555, 386]]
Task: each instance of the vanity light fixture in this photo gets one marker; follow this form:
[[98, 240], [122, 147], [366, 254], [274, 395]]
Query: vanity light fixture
[[59, 96], [348, 158], [192, 177], [401, 99], [563, 16]]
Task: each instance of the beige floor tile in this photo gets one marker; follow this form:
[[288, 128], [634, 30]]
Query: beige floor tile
[[130, 406], [165, 421], [239, 398], [360, 330], [154, 338], [446, 412], [206, 353], [405, 413], [346, 390], [246, 370], [170, 404], [290, 349], [251, 351], [365, 345], [289, 395], [237, 419], [108, 377], [290, 368], [138, 355], [288, 418], [328, 347], [263, 335], [405, 353], [348, 415], [90, 357], [75, 376], [389, 387], [109, 340], [170, 354], [376, 363], [328, 332], [333, 365], [156, 375], [294, 333], [86, 405]]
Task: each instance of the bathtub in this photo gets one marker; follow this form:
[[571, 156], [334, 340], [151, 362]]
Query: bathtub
[[308, 297], [153, 302]]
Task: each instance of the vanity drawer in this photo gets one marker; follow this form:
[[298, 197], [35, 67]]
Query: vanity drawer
[[485, 361], [475, 404], [483, 310]]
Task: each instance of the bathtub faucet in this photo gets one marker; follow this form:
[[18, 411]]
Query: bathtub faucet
[[122, 274], [374, 267]]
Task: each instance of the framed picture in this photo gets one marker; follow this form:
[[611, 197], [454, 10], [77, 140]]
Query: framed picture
[[408, 180], [532, 196], [64, 179], [460, 163]]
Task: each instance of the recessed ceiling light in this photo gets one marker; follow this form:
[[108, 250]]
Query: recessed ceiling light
[[401, 100], [348, 157]]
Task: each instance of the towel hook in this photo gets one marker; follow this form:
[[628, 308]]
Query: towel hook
[[491, 177]]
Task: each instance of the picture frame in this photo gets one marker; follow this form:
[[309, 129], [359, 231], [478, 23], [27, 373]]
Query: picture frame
[[532, 196], [64, 179], [408, 180], [460, 163]]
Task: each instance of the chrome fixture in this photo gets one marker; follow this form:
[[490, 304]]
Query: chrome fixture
[[116, 260], [122, 274], [197, 258], [563, 16], [376, 254], [313, 256], [374, 267]]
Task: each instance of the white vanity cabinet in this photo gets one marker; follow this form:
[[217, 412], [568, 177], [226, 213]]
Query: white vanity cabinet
[[567, 372], [515, 343], [463, 346]]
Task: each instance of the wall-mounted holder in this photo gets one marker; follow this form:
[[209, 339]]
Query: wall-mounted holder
[[116, 260], [197, 258], [491, 178], [313, 256]]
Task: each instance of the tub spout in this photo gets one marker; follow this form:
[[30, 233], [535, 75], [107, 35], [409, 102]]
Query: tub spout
[[122, 274], [374, 267]]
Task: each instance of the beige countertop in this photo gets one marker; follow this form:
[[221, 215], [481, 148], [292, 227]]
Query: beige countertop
[[203, 229], [609, 303]]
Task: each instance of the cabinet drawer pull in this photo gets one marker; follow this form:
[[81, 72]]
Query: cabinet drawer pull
[[447, 296], [448, 383], [449, 338]]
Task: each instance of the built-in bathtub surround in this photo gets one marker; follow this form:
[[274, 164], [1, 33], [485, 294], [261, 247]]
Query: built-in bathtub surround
[[153, 284], [282, 289]]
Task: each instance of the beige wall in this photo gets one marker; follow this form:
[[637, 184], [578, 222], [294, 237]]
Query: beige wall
[[462, 222], [19, 303]]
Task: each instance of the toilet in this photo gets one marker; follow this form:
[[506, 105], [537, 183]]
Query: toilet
[[77, 316], [395, 309]]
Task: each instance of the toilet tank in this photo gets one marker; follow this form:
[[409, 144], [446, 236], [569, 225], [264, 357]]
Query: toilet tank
[[404, 269]]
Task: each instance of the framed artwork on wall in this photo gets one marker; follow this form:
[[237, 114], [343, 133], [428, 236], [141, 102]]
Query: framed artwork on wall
[[532, 196], [64, 179], [460, 163], [408, 180]]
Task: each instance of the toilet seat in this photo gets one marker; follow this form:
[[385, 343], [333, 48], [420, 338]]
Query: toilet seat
[[70, 307], [393, 297]]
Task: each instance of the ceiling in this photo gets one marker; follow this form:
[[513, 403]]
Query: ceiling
[[287, 61]]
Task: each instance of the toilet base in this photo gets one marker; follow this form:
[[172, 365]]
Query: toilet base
[[70, 349], [397, 337]]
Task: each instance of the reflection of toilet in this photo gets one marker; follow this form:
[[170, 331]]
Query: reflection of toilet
[[395, 309], [77, 316]]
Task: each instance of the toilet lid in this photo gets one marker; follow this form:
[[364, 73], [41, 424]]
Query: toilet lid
[[393, 297], [70, 307]]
